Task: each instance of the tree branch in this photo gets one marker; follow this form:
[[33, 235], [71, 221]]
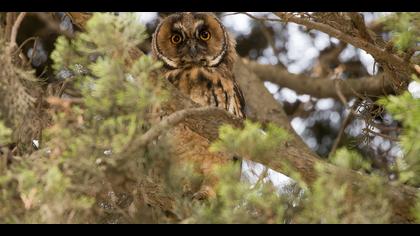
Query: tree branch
[[265, 108], [359, 22], [199, 113], [14, 32], [344, 125], [320, 87], [380, 54]]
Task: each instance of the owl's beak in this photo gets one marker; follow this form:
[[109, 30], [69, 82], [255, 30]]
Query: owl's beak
[[193, 51]]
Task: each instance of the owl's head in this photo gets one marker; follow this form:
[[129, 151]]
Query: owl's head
[[192, 39]]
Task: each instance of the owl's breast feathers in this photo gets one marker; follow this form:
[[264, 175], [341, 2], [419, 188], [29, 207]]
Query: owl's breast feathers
[[209, 87]]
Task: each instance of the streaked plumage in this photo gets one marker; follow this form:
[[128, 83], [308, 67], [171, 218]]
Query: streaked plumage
[[200, 69], [198, 56]]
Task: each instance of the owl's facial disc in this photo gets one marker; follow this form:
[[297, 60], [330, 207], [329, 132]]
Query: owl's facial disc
[[190, 39]]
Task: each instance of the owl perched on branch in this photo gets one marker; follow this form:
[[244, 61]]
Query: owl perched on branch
[[198, 56]]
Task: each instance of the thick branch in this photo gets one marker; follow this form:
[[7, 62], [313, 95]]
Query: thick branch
[[264, 107], [192, 116], [206, 125], [321, 87]]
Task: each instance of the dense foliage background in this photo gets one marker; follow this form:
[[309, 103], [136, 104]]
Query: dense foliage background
[[78, 144]]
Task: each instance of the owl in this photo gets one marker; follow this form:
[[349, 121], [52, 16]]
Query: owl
[[198, 56]]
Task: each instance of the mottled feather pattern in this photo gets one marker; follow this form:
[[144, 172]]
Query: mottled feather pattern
[[202, 69], [208, 86]]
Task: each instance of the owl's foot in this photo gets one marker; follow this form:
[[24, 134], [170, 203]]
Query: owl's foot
[[205, 193]]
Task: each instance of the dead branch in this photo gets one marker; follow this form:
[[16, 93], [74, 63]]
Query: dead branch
[[359, 23], [14, 32], [343, 127], [380, 54], [10, 19]]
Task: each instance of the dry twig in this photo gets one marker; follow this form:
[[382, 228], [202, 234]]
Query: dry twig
[[14, 32]]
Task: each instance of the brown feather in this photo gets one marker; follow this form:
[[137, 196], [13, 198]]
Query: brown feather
[[204, 84]]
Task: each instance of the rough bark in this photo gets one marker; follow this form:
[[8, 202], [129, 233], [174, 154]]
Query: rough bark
[[372, 86]]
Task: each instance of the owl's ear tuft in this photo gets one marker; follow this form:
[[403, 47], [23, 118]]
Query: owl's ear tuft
[[163, 15]]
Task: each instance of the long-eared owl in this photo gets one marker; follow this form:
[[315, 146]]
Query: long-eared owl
[[198, 56]]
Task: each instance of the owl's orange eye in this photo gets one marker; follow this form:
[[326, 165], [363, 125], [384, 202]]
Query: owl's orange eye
[[176, 38], [205, 35]]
